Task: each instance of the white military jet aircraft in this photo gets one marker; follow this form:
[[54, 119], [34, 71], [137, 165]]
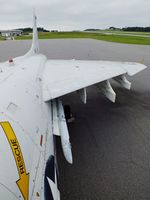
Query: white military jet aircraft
[[31, 113]]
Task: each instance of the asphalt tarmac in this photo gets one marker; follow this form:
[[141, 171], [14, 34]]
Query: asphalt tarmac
[[110, 142]]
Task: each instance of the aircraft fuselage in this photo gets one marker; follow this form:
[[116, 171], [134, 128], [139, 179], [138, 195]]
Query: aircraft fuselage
[[26, 132]]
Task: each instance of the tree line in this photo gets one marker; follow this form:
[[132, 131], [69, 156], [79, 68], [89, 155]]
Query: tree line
[[137, 29], [28, 30], [132, 29]]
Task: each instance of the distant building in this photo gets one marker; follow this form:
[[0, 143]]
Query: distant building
[[114, 28], [11, 33]]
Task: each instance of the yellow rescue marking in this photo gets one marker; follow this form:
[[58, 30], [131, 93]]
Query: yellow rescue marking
[[23, 182]]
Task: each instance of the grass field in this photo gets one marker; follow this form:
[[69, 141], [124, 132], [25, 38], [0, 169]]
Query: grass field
[[125, 32], [1, 38], [98, 36]]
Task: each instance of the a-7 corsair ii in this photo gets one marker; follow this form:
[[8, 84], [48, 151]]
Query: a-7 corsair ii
[[31, 113]]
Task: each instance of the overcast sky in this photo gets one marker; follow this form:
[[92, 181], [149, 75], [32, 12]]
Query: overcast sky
[[74, 15]]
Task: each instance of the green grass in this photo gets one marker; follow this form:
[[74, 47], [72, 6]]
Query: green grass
[[125, 32], [1, 38], [98, 36]]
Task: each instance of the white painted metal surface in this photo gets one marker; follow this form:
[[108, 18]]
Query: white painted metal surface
[[122, 80], [28, 119], [106, 88], [60, 128], [83, 95], [64, 76], [65, 140]]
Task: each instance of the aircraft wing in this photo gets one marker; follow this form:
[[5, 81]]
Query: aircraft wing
[[65, 76]]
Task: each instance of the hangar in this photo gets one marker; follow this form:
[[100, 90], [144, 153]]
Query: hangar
[[11, 33]]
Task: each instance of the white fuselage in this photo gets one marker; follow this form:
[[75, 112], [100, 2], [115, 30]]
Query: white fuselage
[[22, 106]]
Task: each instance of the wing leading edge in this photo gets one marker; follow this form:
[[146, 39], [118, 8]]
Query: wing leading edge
[[65, 76]]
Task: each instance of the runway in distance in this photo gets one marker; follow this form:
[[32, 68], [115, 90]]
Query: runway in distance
[[32, 113]]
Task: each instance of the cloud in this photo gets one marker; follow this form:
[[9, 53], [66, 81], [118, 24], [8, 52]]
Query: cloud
[[74, 15]]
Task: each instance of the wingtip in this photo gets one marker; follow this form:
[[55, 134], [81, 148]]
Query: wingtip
[[134, 68], [35, 43]]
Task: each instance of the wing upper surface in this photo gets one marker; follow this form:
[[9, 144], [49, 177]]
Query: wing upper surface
[[65, 76]]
